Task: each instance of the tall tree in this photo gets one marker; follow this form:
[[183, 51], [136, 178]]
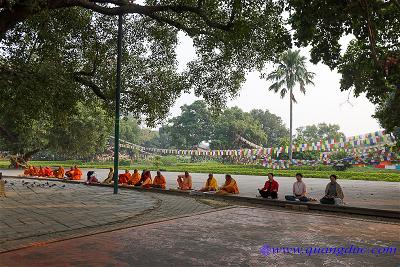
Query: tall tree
[[193, 126], [231, 124], [63, 53], [272, 125], [315, 133], [371, 62], [289, 71]]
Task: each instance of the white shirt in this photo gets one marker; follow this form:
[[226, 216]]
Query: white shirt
[[299, 188]]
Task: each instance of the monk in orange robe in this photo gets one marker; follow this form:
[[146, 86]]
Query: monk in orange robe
[[41, 172], [230, 186], [159, 181], [135, 178], [70, 173], [59, 173], [146, 180], [48, 172], [28, 171], [34, 171], [77, 173], [185, 181], [124, 177]]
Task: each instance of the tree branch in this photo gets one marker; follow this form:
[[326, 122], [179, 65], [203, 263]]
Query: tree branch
[[9, 17], [78, 77]]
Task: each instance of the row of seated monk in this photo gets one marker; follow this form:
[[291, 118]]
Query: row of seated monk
[[184, 182], [333, 191], [74, 173]]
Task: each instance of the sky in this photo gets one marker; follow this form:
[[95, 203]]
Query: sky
[[323, 102]]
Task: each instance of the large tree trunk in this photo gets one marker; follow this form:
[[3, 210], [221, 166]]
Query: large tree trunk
[[291, 125]]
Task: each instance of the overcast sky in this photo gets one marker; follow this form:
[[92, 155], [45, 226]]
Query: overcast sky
[[323, 102]]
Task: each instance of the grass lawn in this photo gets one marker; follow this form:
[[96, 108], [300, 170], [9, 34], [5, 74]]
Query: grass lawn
[[355, 173]]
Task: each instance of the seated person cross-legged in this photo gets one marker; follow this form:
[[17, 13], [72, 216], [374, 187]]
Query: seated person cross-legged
[[299, 190], [333, 192], [184, 181], [146, 180], [110, 177], [270, 188], [123, 178], [229, 187], [159, 181], [211, 184], [135, 178]]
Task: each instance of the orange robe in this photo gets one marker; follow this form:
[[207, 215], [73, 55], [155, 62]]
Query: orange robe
[[59, 173], [48, 172], [41, 172], [231, 187], [35, 171], [124, 178], [135, 178], [27, 172], [160, 180], [147, 182], [76, 174]]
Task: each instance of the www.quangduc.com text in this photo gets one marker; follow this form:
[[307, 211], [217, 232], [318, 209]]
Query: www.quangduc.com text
[[267, 250]]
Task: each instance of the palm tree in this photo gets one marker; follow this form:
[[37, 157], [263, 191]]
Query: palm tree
[[290, 70]]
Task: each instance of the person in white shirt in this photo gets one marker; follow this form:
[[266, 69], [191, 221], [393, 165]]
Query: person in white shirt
[[299, 190]]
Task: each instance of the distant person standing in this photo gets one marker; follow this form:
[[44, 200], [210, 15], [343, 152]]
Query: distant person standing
[[270, 188]]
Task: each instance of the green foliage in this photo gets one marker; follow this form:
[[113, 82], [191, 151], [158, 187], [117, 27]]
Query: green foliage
[[371, 63], [193, 126], [272, 125], [290, 70], [318, 132], [233, 122]]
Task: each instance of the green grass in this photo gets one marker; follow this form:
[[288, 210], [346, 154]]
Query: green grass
[[355, 173]]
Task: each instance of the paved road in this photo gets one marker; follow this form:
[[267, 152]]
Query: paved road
[[231, 237], [370, 194], [39, 212]]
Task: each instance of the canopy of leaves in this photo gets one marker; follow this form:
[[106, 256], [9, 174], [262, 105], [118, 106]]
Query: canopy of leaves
[[290, 70], [193, 126], [316, 133], [272, 125], [57, 54], [371, 63], [231, 124]]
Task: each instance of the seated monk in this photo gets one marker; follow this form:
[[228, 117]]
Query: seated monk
[[70, 173], [146, 180], [40, 172], [28, 171], [159, 181], [211, 184], [110, 177], [77, 173], [135, 178], [34, 171], [184, 181], [230, 186], [48, 172], [59, 173], [123, 178]]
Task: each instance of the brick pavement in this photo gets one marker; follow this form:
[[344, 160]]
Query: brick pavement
[[230, 237], [49, 211]]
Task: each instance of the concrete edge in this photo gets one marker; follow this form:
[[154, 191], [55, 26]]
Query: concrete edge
[[267, 202]]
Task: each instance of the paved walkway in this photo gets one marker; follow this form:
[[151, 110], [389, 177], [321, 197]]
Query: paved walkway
[[232, 237], [358, 193], [43, 211]]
